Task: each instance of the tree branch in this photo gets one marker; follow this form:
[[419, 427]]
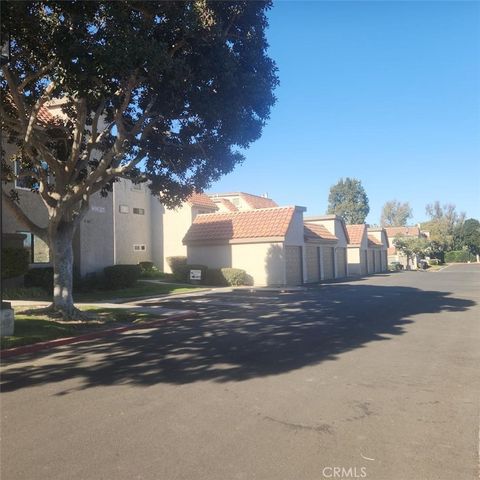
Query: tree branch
[[23, 219], [34, 76]]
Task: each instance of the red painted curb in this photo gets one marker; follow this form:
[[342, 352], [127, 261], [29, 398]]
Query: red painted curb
[[12, 352]]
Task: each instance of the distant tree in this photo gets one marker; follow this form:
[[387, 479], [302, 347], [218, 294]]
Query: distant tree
[[444, 222], [468, 236], [348, 199], [164, 92], [411, 247], [395, 214]]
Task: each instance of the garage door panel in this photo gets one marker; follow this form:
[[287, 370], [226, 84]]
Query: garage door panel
[[313, 264], [328, 263], [293, 265], [341, 254]]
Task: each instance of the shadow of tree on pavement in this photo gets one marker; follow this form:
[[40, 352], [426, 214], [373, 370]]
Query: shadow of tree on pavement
[[237, 337]]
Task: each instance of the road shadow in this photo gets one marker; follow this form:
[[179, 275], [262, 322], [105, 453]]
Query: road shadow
[[240, 336]]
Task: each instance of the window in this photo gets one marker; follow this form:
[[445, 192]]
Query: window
[[23, 183], [38, 249], [139, 211], [139, 247], [123, 209]]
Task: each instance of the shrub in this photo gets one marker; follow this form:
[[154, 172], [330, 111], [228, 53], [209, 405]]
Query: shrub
[[40, 277], [215, 277], [121, 276], [31, 293], [434, 261], [236, 276], [459, 256], [146, 267], [176, 263], [395, 267], [14, 262], [228, 276]]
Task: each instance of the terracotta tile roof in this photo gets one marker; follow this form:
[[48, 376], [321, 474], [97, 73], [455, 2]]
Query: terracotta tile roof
[[255, 201], [201, 200], [312, 231], [43, 116], [374, 242], [355, 233], [407, 231], [226, 203], [259, 223]]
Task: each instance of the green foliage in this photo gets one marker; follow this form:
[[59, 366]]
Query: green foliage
[[434, 261], [146, 267], [40, 277], [121, 276], [185, 83], [395, 214], [227, 277], [411, 246], [176, 263], [15, 262], [467, 236], [459, 256], [443, 224], [395, 267], [348, 199], [24, 293]]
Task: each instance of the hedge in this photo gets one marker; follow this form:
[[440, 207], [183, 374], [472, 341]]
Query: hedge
[[121, 276], [14, 262], [176, 263], [146, 267], [228, 276], [40, 277], [459, 256]]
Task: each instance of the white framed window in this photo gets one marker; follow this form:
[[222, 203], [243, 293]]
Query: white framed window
[[37, 248], [123, 208], [139, 247], [22, 183], [139, 211]]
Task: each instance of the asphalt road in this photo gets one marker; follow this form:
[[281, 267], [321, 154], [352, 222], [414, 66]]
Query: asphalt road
[[378, 377]]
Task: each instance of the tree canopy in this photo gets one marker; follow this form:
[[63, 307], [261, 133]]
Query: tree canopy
[[395, 214], [443, 223], [164, 92], [467, 236], [349, 200]]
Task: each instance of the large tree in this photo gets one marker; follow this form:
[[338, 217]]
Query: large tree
[[167, 93], [467, 236], [348, 199], [411, 247], [442, 225], [395, 214]]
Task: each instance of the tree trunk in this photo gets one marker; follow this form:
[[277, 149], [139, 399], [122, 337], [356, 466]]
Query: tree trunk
[[61, 245]]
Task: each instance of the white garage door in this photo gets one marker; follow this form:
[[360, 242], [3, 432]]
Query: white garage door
[[313, 263], [341, 262], [378, 261], [370, 263], [363, 262], [328, 263], [293, 264]]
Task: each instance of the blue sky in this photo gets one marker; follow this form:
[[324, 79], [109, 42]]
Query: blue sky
[[386, 92]]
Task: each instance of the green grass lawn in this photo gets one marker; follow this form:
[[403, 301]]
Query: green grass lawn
[[40, 328], [141, 289]]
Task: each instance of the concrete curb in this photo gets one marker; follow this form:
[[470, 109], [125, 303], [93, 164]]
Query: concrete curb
[[58, 342]]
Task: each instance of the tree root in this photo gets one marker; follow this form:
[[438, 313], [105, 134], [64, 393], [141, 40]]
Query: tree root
[[57, 313]]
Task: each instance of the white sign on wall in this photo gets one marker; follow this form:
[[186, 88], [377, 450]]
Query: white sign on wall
[[94, 208], [195, 274]]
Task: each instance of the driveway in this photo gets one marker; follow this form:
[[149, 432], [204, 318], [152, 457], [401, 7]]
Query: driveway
[[375, 378]]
